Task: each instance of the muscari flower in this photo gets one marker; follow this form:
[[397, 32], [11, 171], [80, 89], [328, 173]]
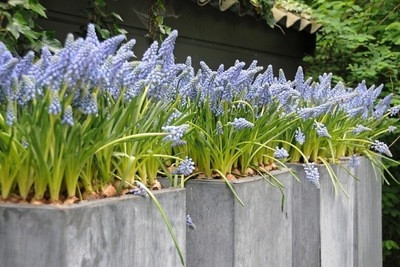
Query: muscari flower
[[280, 153], [10, 114], [140, 191], [88, 105], [321, 130], [91, 36], [68, 116], [175, 134], [360, 128], [382, 106], [394, 110], [55, 105], [174, 115], [219, 128], [312, 174], [381, 147], [241, 124], [391, 129], [24, 143], [354, 161], [299, 136], [189, 222], [186, 167]]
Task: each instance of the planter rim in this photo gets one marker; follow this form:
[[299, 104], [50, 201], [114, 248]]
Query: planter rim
[[342, 160], [237, 181], [87, 203]]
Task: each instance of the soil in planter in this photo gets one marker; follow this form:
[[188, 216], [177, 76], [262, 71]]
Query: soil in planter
[[108, 192]]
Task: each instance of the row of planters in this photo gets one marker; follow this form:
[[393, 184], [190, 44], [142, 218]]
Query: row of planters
[[90, 121]]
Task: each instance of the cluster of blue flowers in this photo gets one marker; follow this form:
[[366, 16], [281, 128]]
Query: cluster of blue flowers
[[281, 153], [312, 174], [87, 69], [186, 167]]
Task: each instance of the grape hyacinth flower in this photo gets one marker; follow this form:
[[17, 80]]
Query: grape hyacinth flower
[[321, 130], [394, 110], [140, 191], [382, 106], [382, 148], [175, 134], [354, 161], [10, 114], [219, 128], [189, 222], [175, 114], [241, 124], [299, 136], [312, 174], [360, 128], [186, 167], [68, 116], [55, 106], [24, 143], [392, 129], [281, 153]]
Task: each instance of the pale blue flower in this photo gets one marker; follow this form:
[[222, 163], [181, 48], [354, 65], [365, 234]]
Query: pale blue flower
[[10, 114], [55, 105], [360, 128], [186, 167], [299, 136], [241, 124], [189, 222], [175, 133], [381, 147], [281, 153], [354, 161], [394, 110], [219, 128], [321, 130], [392, 129], [68, 116], [312, 174]]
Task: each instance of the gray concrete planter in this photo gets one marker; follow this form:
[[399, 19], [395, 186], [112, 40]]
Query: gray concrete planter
[[124, 231], [228, 234], [335, 230], [316, 228]]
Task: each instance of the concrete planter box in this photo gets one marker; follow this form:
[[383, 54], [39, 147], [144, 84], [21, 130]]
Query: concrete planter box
[[124, 231], [228, 234], [334, 230], [316, 228]]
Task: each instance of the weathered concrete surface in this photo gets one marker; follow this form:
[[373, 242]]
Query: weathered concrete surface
[[125, 231], [227, 234], [306, 238], [368, 245], [335, 230], [211, 207], [337, 217]]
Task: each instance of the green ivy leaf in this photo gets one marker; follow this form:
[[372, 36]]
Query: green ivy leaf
[[17, 2], [38, 8], [117, 16]]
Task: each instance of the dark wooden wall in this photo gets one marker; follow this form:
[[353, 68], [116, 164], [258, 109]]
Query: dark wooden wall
[[205, 33]]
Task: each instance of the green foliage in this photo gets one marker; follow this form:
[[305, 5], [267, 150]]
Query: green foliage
[[106, 22], [297, 7], [359, 40], [261, 7], [18, 30], [157, 12], [391, 223]]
